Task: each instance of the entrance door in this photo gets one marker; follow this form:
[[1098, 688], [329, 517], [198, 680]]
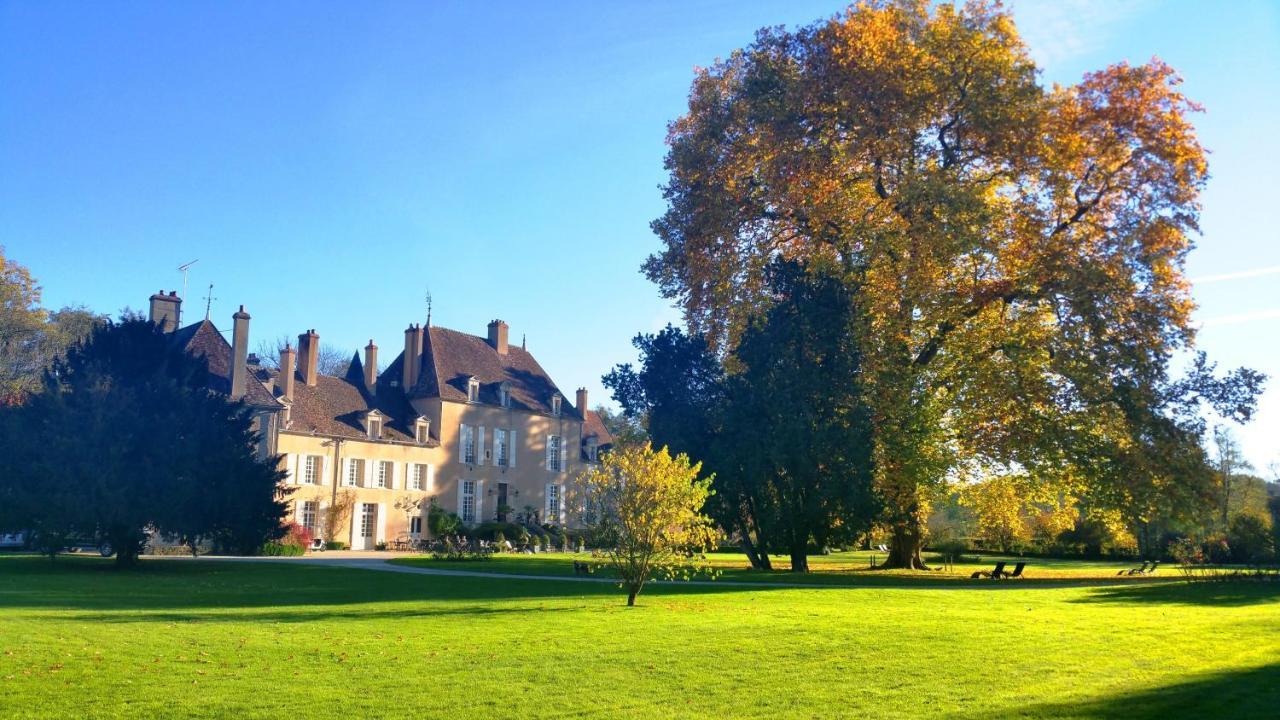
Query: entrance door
[[502, 502], [368, 526]]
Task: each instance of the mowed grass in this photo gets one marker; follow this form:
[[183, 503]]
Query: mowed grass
[[844, 568], [213, 639]]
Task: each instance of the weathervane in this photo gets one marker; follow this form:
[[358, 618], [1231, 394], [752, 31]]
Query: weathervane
[[208, 301], [428, 308]]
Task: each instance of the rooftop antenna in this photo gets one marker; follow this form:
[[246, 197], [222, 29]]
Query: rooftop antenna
[[522, 338], [183, 269], [428, 308], [208, 301]]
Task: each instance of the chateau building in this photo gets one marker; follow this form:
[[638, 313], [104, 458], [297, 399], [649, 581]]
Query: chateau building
[[470, 422]]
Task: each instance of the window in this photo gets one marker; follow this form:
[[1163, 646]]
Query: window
[[593, 451], [500, 447], [553, 453], [384, 477], [468, 501], [375, 428], [473, 390], [310, 512], [422, 432], [311, 470], [504, 394], [468, 445], [555, 404], [415, 525], [418, 477], [553, 504], [355, 473], [368, 515]]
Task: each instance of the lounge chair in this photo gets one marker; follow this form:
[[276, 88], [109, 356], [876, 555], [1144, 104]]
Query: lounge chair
[[1017, 571], [1135, 571], [995, 573], [883, 548], [1151, 570]]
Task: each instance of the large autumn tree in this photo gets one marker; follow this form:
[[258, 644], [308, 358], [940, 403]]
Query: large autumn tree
[[1019, 249]]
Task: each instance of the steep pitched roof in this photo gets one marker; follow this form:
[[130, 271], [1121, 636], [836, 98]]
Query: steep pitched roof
[[203, 340], [337, 406], [450, 358], [593, 429]]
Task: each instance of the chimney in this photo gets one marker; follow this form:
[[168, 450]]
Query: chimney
[[286, 378], [582, 402], [166, 310], [308, 356], [498, 336], [370, 365], [239, 352], [412, 356]]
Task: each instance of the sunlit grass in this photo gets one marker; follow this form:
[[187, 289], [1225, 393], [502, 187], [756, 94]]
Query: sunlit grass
[[221, 639]]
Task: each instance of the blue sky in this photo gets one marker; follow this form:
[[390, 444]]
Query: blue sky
[[329, 163]]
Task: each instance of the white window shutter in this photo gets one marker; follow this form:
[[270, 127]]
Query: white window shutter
[[511, 457], [382, 523], [368, 474], [564, 467], [431, 478], [391, 475], [291, 469], [480, 446], [460, 484], [462, 443], [547, 442], [479, 501]]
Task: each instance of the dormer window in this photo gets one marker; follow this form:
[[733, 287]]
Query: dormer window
[[504, 394], [555, 404], [593, 450], [373, 425], [473, 390], [422, 430]]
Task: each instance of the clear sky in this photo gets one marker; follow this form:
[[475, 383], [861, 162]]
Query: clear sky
[[329, 163]]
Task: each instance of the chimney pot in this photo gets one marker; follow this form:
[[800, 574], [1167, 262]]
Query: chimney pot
[[287, 368], [370, 366]]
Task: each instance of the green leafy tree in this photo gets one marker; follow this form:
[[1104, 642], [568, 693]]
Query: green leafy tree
[[795, 453], [125, 438]]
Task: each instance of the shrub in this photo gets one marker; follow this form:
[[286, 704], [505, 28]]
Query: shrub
[[441, 522], [380, 547], [1250, 540], [299, 535], [491, 531], [335, 545], [275, 548], [952, 549], [457, 547], [499, 539]]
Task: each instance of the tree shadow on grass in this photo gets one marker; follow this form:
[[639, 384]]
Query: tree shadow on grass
[[1217, 594], [1251, 693]]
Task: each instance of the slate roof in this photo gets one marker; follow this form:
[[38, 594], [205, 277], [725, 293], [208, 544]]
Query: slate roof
[[450, 357], [593, 427], [203, 340], [337, 406]]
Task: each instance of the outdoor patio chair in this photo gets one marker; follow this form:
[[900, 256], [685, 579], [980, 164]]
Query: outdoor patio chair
[[995, 573], [1151, 570], [1135, 571], [1017, 571]]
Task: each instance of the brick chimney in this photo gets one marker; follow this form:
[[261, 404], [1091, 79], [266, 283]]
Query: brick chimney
[[166, 310], [308, 356], [498, 336], [285, 379], [582, 402], [239, 352], [370, 365], [412, 356]]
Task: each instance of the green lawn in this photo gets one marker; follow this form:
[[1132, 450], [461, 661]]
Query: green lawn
[[846, 568], [220, 639]]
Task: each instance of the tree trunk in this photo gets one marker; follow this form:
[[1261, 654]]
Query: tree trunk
[[905, 547], [759, 560], [631, 596], [127, 544], [799, 559]]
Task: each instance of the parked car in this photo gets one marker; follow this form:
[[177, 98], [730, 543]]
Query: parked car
[[13, 541]]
